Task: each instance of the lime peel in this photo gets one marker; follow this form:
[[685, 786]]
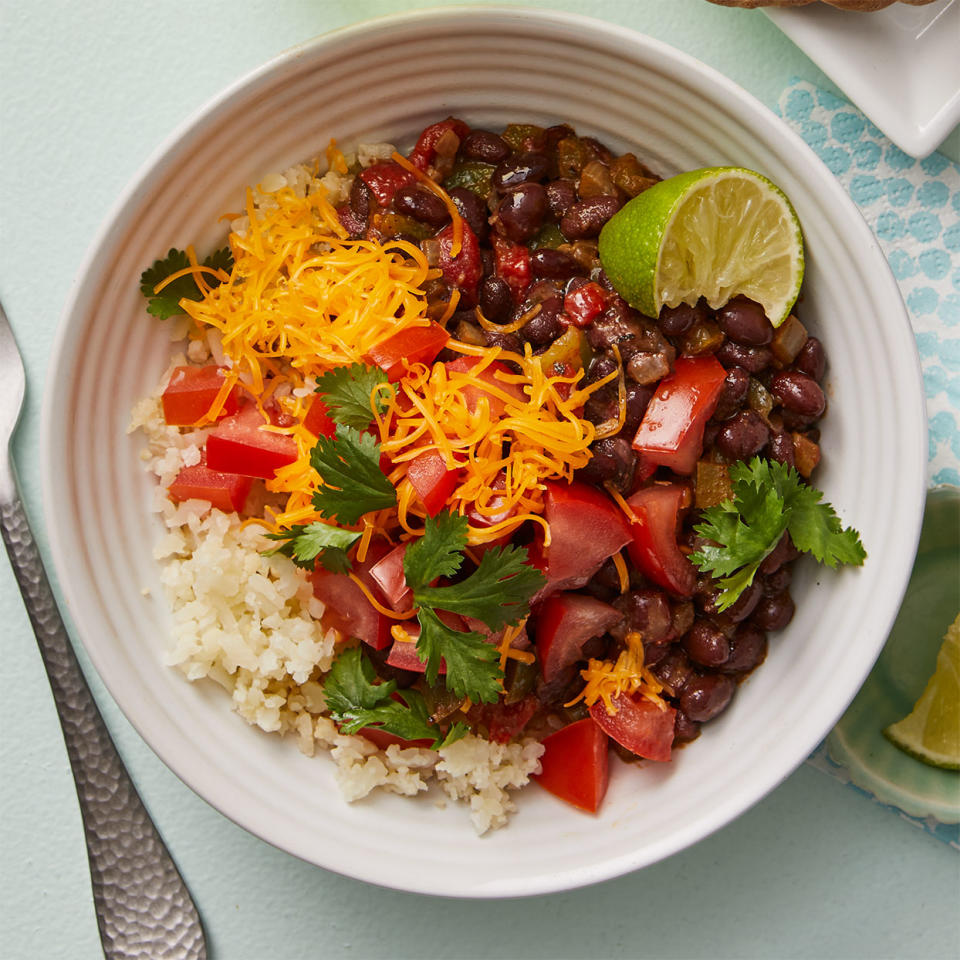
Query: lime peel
[[716, 233]]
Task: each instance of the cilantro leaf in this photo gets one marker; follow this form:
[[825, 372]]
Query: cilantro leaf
[[356, 700], [346, 393], [438, 553], [769, 499], [354, 484], [498, 592], [473, 668], [166, 303], [305, 543]]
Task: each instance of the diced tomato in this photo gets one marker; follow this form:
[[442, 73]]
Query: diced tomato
[[575, 765], [671, 432], [654, 546], [425, 152], [385, 179], [413, 345], [347, 607], [381, 739], [225, 491], [388, 574], [429, 476], [466, 268], [318, 421], [565, 622], [238, 445], [585, 303], [403, 654], [504, 721], [639, 725], [586, 528], [191, 392], [489, 374], [512, 263]]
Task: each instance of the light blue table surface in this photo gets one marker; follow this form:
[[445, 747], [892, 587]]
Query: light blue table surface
[[87, 91]]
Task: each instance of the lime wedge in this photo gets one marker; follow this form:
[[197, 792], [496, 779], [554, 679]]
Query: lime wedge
[[714, 233], [931, 731]]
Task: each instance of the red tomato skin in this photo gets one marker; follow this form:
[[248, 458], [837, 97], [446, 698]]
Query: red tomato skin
[[238, 445], [586, 528], [575, 765], [403, 654], [190, 393], [385, 179], [465, 270], [318, 421], [413, 345], [381, 739], [512, 263], [639, 725], [504, 721], [565, 622], [388, 574], [425, 151], [654, 546], [433, 482], [671, 432], [472, 394], [347, 607], [225, 491], [585, 303]]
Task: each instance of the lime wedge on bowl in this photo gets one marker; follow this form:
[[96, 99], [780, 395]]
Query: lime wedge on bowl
[[715, 233], [931, 731]]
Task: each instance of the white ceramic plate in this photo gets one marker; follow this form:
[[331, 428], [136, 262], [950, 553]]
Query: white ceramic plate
[[386, 80], [900, 65]]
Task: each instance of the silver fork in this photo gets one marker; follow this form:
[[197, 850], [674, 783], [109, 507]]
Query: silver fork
[[144, 909]]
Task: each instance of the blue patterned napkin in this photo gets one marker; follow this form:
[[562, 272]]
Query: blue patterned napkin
[[913, 207]]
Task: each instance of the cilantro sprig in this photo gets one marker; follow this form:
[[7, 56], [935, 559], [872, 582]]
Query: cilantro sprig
[[769, 499], [353, 483], [166, 303], [497, 593], [355, 700], [305, 544], [347, 391]]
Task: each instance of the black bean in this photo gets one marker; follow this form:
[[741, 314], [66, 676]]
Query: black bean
[[507, 341], [682, 614], [782, 553], [774, 613], [706, 696], [739, 610], [561, 195], [735, 388], [473, 210], [777, 582], [748, 649], [655, 652], [601, 366], [555, 264], [674, 670], [811, 359], [613, 461], [676, 321], [745, 322], [484, 147], [545, 327], [780, 448], [587, 217], [742, 436], [414, 201], [646, 611], [520, 213], [684, 729], [637, 399], [619, 325], [706, 644], [526, 168], [496, 300], [799, 393], [752, 359], [361, 197]]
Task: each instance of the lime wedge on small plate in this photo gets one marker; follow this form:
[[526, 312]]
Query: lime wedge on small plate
[[931, 731], [715, 233], [898, 679]]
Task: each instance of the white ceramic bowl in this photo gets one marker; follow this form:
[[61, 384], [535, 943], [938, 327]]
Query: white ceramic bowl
[[386, 79]]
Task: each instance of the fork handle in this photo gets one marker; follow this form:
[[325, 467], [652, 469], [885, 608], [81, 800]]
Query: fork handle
[[144, 909]]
